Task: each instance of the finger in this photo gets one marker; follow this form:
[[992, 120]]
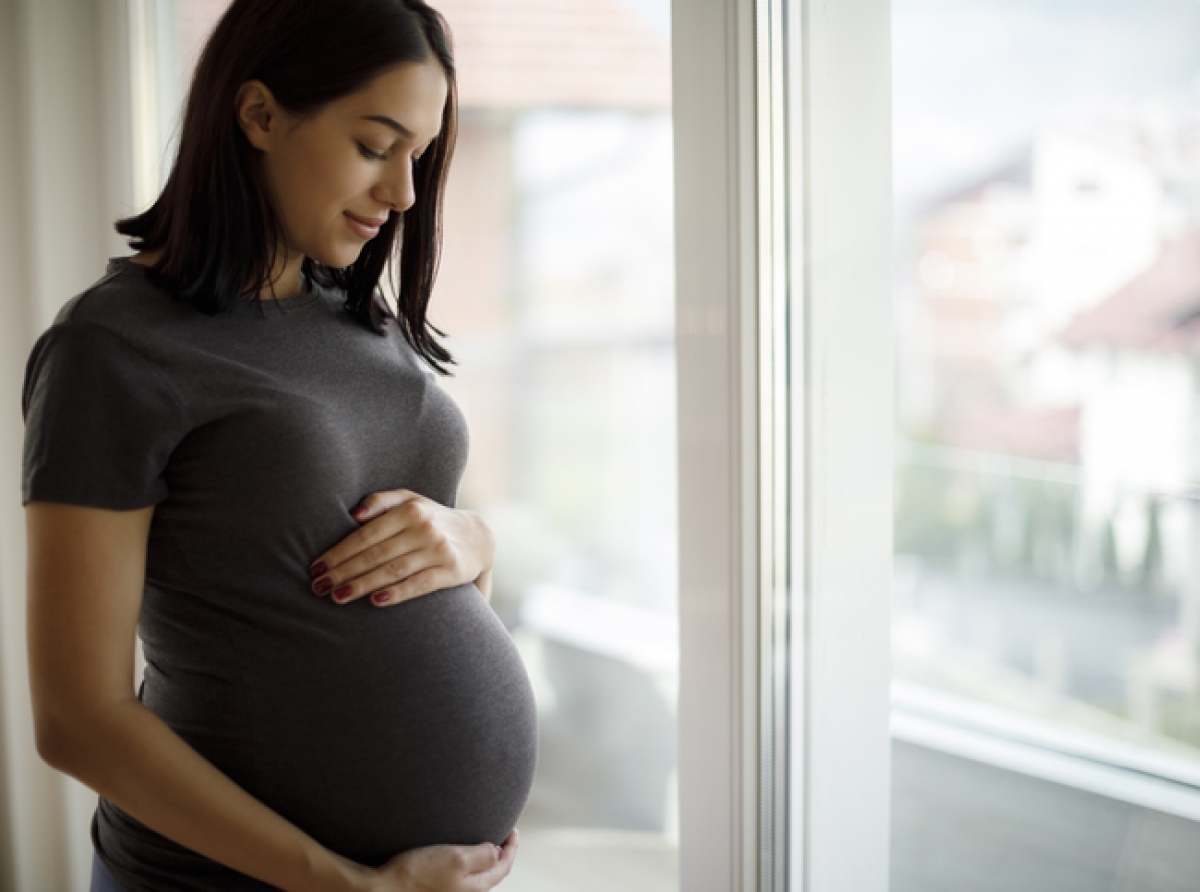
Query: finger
[[425, 582], [491, 876], [389, 552], [409, 514], [505, 854], [476, 860], [393, 573], [376, 503], [356, 543], [511, 844]]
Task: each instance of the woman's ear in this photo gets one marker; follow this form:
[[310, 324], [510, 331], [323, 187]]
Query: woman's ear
[[257, 113]]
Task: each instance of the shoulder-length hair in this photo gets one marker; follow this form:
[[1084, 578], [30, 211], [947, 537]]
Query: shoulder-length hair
[[214, 220]]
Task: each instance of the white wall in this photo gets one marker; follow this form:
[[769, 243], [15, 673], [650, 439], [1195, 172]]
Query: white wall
[[1099, 212], [64, 178]]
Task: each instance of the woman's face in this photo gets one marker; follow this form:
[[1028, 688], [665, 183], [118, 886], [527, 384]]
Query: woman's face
[[337, 176]]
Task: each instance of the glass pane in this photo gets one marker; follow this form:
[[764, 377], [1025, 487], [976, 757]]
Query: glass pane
[[556, 289], [1047, 177]]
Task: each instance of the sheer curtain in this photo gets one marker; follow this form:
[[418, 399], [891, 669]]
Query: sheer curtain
[[64, 177]]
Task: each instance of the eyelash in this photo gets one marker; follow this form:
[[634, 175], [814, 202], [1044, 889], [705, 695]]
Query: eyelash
[[368, 154], [375, 156]]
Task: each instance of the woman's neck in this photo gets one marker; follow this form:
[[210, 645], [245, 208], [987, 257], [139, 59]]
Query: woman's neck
[[286, 279]]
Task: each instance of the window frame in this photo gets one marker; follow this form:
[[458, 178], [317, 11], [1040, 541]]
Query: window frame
[[783, 219]]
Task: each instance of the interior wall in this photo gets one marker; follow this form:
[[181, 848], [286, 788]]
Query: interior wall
[[14, 325], [64, 177]]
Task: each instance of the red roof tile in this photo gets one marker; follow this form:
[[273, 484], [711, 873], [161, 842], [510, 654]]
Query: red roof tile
[[565, 53], [1158, 311]]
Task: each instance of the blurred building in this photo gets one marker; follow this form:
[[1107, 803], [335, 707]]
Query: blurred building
[[1054, 330], [1140, 440], [1002, 265]]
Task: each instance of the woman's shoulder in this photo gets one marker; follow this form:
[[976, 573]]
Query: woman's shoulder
[[126, 302]]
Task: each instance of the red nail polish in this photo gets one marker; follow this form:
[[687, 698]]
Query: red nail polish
[[342, 593], [380, 597], [322, 585], [317, 569]]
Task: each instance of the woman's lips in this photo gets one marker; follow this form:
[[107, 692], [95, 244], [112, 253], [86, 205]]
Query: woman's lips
[[362, 227]]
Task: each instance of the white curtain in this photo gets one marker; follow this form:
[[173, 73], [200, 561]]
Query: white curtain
[[65, 176]]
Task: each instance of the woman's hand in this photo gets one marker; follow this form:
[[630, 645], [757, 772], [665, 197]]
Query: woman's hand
[[408, 546], [445, 869]]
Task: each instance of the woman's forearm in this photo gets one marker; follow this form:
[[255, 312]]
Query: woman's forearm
[[127, 754]]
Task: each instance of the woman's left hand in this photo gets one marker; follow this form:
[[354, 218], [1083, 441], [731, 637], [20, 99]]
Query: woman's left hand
[[408, 546]]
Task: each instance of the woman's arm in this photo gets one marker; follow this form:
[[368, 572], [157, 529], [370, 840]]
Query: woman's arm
[[85, 575], [86, 569]]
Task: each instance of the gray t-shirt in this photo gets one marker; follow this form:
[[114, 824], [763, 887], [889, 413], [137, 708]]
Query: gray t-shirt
[[254, 432]]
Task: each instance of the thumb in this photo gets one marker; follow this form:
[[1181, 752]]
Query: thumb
[[376, 503]]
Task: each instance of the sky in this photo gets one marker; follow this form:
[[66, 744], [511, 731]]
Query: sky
[[973, 79]]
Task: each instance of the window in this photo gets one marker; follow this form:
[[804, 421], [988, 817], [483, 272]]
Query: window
[[1045, 615]]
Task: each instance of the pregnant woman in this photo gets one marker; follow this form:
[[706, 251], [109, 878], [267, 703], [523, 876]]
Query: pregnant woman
[[237, 450]]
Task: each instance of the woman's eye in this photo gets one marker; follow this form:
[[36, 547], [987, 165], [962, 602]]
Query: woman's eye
[[367, 153]]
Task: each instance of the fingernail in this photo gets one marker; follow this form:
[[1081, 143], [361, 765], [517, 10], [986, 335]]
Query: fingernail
[[342, 594], [317, 569], [380, 597], [322, 585], [358, 510]]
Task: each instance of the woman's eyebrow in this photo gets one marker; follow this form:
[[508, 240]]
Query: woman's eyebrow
[[388, 122]]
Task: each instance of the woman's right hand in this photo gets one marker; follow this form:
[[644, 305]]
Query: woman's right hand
[[445, 869]]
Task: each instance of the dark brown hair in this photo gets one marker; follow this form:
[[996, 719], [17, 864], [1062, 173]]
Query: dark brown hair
[[214, 219]]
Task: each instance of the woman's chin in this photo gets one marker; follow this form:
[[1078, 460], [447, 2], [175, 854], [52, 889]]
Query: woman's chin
[[339, 257]]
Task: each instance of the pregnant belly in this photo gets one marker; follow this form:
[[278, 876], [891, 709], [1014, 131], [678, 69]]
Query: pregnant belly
[[380, 730]]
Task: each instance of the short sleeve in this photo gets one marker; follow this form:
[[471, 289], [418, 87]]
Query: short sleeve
[[101, 421]]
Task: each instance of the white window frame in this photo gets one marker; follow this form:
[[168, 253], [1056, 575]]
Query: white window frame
[[784, 344]]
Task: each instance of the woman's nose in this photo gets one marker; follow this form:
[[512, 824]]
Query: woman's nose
[[398, 189]]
